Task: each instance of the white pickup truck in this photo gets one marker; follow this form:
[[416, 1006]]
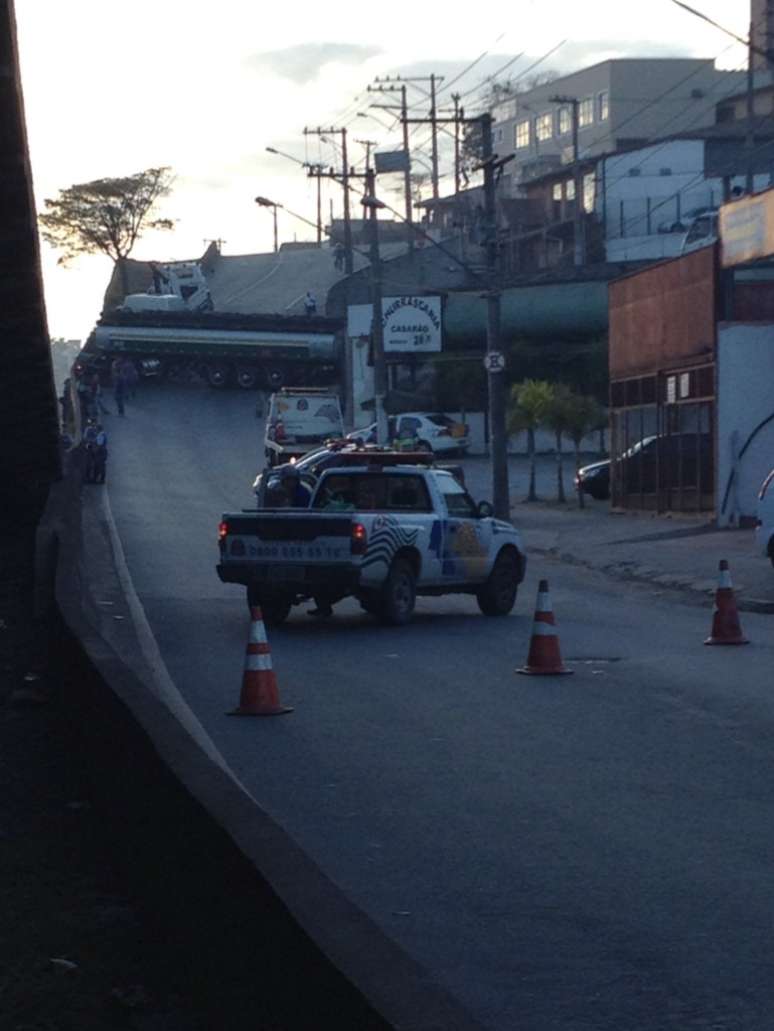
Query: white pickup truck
[[380, 534]]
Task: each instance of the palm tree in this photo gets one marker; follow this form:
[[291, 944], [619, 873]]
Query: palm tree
[[529, 406], [558, 418], [584, 414]]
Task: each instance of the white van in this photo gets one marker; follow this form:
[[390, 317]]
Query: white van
[[299, 420]]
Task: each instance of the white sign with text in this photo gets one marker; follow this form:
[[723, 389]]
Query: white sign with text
[[410, 324]]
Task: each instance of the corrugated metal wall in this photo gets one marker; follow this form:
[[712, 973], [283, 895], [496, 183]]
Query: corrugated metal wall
[[664, 316]]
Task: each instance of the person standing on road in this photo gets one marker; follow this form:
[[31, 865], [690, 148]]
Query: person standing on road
[[129, 373], [119, 392], [84, 400], [310, 304]]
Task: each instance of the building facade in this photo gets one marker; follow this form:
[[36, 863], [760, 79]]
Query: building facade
[[691, 399], [621, 103]]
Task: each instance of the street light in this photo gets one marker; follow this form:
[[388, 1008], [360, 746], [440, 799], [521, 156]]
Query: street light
[[273, 150], [264, 202]]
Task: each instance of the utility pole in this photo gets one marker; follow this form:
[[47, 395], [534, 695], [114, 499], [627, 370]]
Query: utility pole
[[495, 366], [372, 205], [579, 235], [381, 87], [407, 172], [367, 144], [458, 114], [434, 80], [316, 172], [749, 139], [345, 177], [434, 124]]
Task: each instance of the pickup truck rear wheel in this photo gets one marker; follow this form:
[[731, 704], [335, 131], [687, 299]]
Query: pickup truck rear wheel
[[399, 594], [497, 596], [275, 610]]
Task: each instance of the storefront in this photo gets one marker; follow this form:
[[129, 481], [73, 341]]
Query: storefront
[[662, 441], [662, 386]]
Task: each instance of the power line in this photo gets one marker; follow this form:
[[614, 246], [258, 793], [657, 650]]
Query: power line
[[470, 67]]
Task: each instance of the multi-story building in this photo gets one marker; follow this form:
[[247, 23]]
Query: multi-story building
[[639, 202], [621, 103]]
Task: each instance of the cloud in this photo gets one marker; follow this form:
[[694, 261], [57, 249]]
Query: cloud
[[302, 63]]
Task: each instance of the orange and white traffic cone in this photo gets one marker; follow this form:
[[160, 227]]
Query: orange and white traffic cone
[[725, 618], [544, 657], [260, 696]]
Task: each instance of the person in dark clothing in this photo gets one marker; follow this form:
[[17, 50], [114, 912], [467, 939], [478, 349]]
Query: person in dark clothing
[[296, 491], [119, 392]]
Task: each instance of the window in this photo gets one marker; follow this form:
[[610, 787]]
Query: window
[[557, 191], [564, 121], [408, 426], [589, 191], [458, 502], [373, 492], [569, 189], [603, 106], [586, 112], [522, 134], [544, 128]]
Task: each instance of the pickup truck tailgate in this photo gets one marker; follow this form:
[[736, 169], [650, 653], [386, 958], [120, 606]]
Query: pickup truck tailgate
[[287, 546]]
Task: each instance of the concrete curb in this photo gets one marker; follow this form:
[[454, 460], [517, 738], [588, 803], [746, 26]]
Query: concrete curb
[[699, 590], [284, 897]]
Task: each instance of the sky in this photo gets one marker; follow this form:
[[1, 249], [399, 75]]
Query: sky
[[113, 88]]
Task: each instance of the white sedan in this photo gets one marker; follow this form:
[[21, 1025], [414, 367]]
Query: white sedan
[[427, 431]]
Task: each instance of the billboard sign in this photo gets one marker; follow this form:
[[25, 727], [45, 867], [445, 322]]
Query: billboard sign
[[410, 324], [391, 161], [747, 229]]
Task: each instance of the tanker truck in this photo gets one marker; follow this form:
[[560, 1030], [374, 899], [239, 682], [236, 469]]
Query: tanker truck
[[173, 332]]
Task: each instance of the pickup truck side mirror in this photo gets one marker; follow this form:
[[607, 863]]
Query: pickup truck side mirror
[[485, 510]]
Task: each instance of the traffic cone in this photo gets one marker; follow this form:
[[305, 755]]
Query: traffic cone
[[260, 696], [544, 657], [725, 618]]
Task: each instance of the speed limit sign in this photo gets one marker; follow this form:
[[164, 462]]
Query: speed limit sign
[[494, 361]]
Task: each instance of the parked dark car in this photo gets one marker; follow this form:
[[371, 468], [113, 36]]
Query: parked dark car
[[594, 479], [651, 464]]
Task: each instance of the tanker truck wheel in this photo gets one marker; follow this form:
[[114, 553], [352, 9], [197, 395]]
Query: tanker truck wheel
[[217, 374], [275, 378], [247, 378]]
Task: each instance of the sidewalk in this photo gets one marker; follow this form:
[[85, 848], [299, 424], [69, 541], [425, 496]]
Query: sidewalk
[[678, 552]]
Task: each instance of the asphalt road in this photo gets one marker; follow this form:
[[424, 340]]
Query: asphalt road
[[585, 852]]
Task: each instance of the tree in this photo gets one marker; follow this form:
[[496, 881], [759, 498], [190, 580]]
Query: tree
[[106, 216], [584, 415], [558, 418], [497, 91], [530, 402]]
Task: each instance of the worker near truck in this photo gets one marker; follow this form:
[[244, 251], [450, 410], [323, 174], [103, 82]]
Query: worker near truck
[[296, 491]]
